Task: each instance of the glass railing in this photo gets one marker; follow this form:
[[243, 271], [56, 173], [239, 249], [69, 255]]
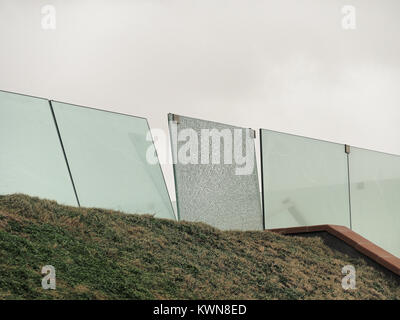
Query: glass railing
[[305, 181], [375, 197], [83, 156], [79, 156], [214, 184], [31, 157], [313, 182], [106, 153]]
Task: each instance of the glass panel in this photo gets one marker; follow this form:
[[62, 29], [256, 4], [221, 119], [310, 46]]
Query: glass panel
[[31, 157], [222, 194], [305, 181], [107, 155], [375, 200]]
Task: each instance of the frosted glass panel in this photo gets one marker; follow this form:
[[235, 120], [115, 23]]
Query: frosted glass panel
[[305, 181], [375, 197], [107, 155], [31, 157], [222, 194]]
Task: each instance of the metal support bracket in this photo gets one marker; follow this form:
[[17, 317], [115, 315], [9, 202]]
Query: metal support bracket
[[174, 117]]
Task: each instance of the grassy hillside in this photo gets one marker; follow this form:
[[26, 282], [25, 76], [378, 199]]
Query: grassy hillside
[[99, 254]]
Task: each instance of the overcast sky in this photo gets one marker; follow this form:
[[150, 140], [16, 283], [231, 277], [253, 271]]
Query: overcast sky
[[286, 65]]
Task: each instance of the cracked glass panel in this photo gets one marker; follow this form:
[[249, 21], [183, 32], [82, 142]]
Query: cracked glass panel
[[215, 174], [107, 152], [31, 157], [305, 181], [375, 201]]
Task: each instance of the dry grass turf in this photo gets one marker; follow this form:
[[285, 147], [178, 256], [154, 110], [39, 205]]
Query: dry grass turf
[[101, 254]]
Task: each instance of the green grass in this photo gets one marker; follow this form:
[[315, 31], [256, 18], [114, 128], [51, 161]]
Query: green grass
[[100, 254]]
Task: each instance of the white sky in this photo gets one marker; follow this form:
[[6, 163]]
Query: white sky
[[285, 65]]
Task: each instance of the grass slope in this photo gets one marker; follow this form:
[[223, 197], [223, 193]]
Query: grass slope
[[100, 254]]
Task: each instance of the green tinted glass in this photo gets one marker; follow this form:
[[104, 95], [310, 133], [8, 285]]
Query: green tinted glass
[[31, 157], [375, 197], [305, 181], [107, 155]]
